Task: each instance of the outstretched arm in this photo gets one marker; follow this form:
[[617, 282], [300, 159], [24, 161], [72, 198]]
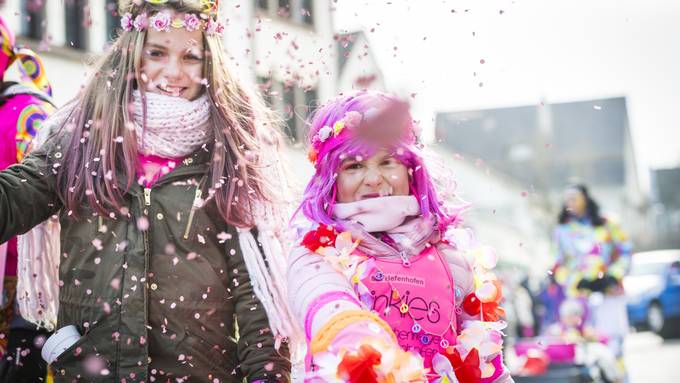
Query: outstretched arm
[[27, 195]]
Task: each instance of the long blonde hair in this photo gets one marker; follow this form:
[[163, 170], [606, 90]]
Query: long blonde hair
[[96, 162]]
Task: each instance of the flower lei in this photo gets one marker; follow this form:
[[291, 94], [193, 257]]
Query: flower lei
[[373, 361], [484, 302], [351, 120], [340, 251], [163, 20], [480, 341], [471, 359]]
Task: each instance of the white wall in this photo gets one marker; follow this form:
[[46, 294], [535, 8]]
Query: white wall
[[360, 63]]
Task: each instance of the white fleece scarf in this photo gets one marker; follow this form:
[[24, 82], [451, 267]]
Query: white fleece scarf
[[397, 216], [378, 214], [174, 126]]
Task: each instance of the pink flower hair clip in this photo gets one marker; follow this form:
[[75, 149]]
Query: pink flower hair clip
[[350, 121], [162, 21]]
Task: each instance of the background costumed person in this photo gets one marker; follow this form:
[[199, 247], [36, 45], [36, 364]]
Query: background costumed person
[[23, 107]]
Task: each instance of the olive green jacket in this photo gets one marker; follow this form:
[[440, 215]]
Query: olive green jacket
[[162, 295]]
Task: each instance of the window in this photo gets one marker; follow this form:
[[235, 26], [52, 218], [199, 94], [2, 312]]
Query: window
[[34, 19], [289, 111], [262, 4], [112, 19], [76, 21], [298, 103], [284, 9], [311, 102], [307, 12], [293, 103], [297, 11], [264, 85]]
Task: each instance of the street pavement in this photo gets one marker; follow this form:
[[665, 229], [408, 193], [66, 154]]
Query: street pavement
[[650, 359]]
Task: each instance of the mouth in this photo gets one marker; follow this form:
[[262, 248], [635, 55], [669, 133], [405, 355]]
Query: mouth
[[171, 90], [374, 195]]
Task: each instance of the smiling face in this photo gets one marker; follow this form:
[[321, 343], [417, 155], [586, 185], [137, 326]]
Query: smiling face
[[575, 202], [172, 62], [380, 175]]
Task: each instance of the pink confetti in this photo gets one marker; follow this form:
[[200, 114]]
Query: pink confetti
[[115, 283], [93, 364], [223, 237], [142, 223]]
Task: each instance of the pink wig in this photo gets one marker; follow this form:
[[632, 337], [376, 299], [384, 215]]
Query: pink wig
[[380, 113]]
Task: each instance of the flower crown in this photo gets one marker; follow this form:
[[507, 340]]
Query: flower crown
[[163, 20], [327, 133]]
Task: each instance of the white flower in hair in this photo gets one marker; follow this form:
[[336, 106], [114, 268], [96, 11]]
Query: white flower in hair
[[324, 133]]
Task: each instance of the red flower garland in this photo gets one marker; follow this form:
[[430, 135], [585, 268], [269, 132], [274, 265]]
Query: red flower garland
[[359, 367], [323, 236], [467, 371], [491, 311]]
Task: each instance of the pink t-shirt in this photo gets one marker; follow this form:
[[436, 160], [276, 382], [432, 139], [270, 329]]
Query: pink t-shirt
[[417, 300]]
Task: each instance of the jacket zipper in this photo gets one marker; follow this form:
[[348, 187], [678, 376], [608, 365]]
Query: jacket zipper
[[195, 205], [147, 196], [404, 259], [145, 236]]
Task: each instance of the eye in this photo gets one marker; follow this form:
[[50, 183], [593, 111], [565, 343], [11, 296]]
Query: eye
[[193, 57], [387, 161], [155, 53], [353, 166]]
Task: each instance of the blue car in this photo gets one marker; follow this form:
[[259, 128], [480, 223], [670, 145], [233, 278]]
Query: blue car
[[653, 292]]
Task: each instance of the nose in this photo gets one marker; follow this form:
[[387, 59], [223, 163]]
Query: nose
[[373, 177], [173, 70]]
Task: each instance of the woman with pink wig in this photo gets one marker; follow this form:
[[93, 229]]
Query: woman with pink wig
[[388, 286]]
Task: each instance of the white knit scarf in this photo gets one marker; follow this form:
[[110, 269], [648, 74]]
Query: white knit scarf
[[174, 126]]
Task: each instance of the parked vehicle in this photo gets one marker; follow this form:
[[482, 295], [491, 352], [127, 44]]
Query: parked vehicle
[[653, 292]]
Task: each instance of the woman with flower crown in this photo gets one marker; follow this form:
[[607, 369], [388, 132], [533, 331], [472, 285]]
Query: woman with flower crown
[[387, 284], [150, 192]]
